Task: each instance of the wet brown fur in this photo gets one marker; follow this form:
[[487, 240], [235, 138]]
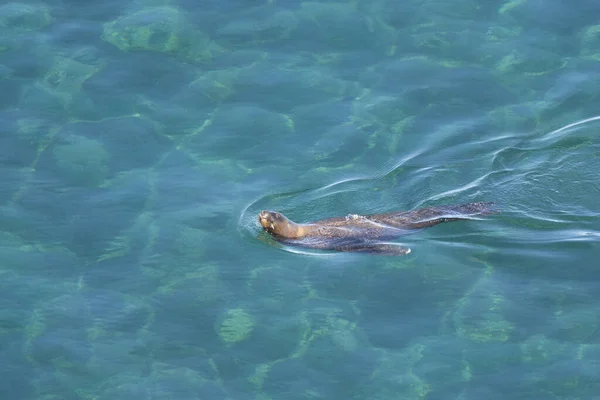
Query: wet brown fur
[[361, 233]]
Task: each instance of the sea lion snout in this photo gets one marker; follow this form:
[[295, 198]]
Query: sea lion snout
[[276, 224], [266, 219]]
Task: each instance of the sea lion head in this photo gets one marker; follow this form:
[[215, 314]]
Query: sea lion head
[[277, 224]]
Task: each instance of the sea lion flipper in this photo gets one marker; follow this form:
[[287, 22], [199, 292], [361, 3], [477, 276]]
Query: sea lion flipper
[[426, 217], [387, 249], [478, 208]]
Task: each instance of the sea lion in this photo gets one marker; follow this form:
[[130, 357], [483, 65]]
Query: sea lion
[[357, 233]]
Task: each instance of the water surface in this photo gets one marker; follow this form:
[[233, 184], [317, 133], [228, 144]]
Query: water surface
[[139, 140]]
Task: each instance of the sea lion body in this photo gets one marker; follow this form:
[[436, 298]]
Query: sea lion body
[[368, 233]]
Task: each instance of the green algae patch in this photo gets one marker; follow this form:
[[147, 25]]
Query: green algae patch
[[24, 17], [509, 5], [236, 326], [68, 75], [540, 63], [185, 249], [540, 349], [215, 85], [257, 379], [160, 29], [204, 284], [394, 375], [480, 314], [590, 42]]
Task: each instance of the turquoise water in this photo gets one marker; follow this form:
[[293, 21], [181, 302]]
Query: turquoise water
[[139, 140]]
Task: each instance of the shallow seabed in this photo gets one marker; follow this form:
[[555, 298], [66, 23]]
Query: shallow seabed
[[139, 140]]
